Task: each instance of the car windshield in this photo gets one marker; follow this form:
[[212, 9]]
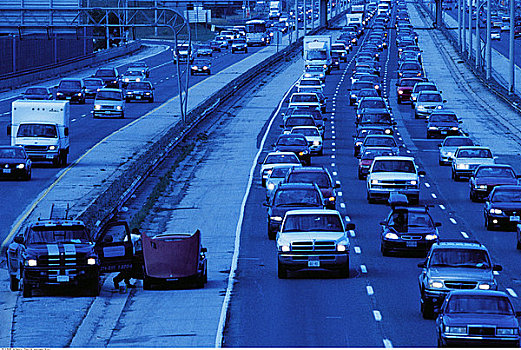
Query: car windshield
[[443, 118], [12, 153], [37, 130], [424, 87], [320, 178], [408, 82], [133, 73], [372, 104], [313, 222], [109, 95], [458, 141], [93, 82], [495, 172], [36, 91], [279, 172], [410, 66], [281, 158], [359, 85], [292, 141], [57, 234], [394, 166], [105, 73], [239, 41], [380, 141], [306, 131], [316, 55], [337, 47], [139, 86], [310, 82], [301, 197], [506, 196], [429, 98], [69, 84], [474, 258], [371, 118], [299, 121], [474, 153], [304, 98], [368, 93], [479, 304], [403, 220]]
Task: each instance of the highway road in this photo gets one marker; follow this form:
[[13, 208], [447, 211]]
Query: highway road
[[86, 132]]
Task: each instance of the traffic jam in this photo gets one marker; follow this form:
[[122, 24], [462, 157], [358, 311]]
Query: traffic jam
[[306, 217]]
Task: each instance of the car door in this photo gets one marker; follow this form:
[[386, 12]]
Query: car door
[[114, 247]]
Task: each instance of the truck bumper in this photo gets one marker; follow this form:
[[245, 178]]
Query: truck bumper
[[322, 261], [38, 277]]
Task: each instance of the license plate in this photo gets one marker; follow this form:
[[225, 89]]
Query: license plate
[[7, 171], [443, 132], [68, 97], [411, 244], [62, 278], [49, 156], [514, 218], [313, 263], [138, 97]]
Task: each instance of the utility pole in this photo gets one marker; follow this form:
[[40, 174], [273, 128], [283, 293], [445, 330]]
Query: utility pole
[[296, 20], [488, 53], [464, 22], [305, 19], [511, 79], [459, 26], [478, 39], [155, 18], [470, 29]]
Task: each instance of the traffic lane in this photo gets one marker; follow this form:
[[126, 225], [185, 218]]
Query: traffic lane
[[331, 323]]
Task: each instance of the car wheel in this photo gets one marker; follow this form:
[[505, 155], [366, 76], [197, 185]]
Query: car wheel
[[147, 283], [321, 152], [56, 162], [263, 182], [360, 176], [370, 199], [344, 271], [14, 283], [416, 116], [63, 159], [414, 199], [441, 163], [440, 343], [271, 235], [427, 310], [472, 196], [27, 290], [27, 175], [488, 225], [151, 100], [93, 288], [384, 251], [429, 135], [282, 272], [518, 245]]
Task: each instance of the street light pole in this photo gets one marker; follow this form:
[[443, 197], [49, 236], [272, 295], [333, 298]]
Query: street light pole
[[478, 39], [511, 79], [464, 14], [459, 26], [470, 29], [488, 53]]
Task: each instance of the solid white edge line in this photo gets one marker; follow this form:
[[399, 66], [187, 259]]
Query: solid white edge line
[[235, 257], [387, 343]]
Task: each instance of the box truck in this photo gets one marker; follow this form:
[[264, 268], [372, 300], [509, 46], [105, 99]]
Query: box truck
[[317, 51]]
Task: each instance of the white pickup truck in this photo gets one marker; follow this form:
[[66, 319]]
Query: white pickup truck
[[313, 239]]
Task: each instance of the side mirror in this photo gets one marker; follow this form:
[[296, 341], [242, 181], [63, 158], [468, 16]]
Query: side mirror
[[437, 224], [421, 172], [9, 130], [350, 226], [397, 84], [19, 239], [393, 123], [204, 250], [281, 125], [422, 264], [383, 223], [497, 268], [459, 122], [264, 204], [66, 131], [336, 186], [444, 101], [324, 119], [260, 162]]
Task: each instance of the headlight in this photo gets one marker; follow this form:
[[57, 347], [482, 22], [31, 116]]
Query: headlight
[[400, 92], [147, 93], [358, 143], [462, 166], [341, 247], [435, 284], [388, 131], [454, 128], [276, 218], [285, 248], [377, 87], [331, 199], [97, 106], [205, 67], [20, 166], [119, 108], [481, 187], [31, 262], [433, 128], [302, 153], [271, 186], [484, 286], [78, 94], [316, 143], [413, 98], [194, 67], [421, 108], [91, 261], [496, 211], [129, 92], [507, 331], [439, 107], [374, 182], [325, 66], [138, 79], [456, 330], [52, 148], [127, 80], [413, 182], [391, 235], [353, 95], [321, 75], [431, 237], [307, 75]]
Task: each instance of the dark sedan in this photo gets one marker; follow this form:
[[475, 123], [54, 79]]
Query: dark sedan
[[291, 196], [71, 89], [201, 67], [92, 86], [376, 117], [362, 133], [471, 318], [37, 93], [14, 163], [412, 67], [294, 143], [503, 207], [486, 177], [443, 123], [355, 90], [315, 175], [140, 91]]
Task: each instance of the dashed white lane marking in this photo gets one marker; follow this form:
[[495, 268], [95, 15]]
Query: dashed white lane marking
[[408, 151], [339, 194], [333, 132], [370, 290], [83, 115], [332, 156], [433, 195], [352, 233], [73, 120], [496, 273], [358, 250], [363, 268], [334, 149], [347, 218], [342, 205], [333, 164], [422, 175], [464, 234], [453, 221], [511, 292], [333, 137], [335, 173], [442, 207], [377, 315], [427, 185], [387, 343], [333, 144]]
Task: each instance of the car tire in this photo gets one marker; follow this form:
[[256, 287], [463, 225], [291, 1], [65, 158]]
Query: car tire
[[321, 152], [14, 283], [414, 200], [344, 271], [27, 290], [147, 283], [282, 272], [370, 199], [441, 163], [271, 235], [488, 225], [93, 288], [384, 251], [416, 116], [63, 159], [27, 175], [360, 176], [427, 310], [151, 100], [518, 245], [472, 196], [429, 136]]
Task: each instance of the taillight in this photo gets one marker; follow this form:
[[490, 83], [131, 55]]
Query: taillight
[[366, 162]]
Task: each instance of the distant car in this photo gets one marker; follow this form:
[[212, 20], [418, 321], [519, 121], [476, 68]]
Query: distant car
[[315, 72], [426, 103], [413, 67], [224, 43], [503, 207], [319, 176], [495, 34], [92, 86], [109, 102], [449, 146], [296, 144], [15, 163], [486, 177], [132, 75], [309, 83], [71, 89], [408, 229], [313, 137], [467, 158], [370, 102], [355, 90], [380, 141], [405, 87], [276, 177], [291, 196], [366, 159], [361, 134], [443, 123], [183, 53], [379, 117], [275, 158], [204, 50], [145, 69], [373, 79], [239, 45], [297, 120], [472, 318], [341, 49], [304, 99], [314, 112], [142, 91], [421, 86], [37, 93], [200, 66], [110, 77]]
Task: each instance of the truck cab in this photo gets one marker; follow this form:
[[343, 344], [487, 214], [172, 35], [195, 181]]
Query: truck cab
[[317, 51]]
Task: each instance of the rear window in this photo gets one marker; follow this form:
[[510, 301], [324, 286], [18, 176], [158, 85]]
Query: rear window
[[474, 153], [281, 158], [105, 73], [70, 84], [394, 166], [321, 179], [304, 98], [458, 141], [292, 141], [297, 197]]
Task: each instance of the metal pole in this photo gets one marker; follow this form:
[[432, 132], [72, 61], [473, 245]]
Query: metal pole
[[488, 53], [478, 39], [464, 22], [107, 31], [511, 79], [459, 26], [470, 29], [155, 17], [305, 19], [296, 20]]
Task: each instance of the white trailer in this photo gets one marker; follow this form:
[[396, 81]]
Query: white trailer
[[354, 18], [317, 51], [42, 128]]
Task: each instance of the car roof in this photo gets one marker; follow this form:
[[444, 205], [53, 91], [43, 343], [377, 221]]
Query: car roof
[[443, 111], [495, 166], [295, 185], [309, 169], [458, 244], [507, 187], [394, 158], [312, 211], [477, 292], [375, 110], [280, 153], [304, 127], [379, 136], [473, 147], [111, 89]]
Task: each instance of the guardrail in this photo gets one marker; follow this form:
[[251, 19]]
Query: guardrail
[[107, 205], [24, 77]]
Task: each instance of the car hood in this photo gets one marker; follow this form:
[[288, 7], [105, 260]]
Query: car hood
[[291, 148], [34, 250], [393, 176], [475, 160], [314, 235], [12, 160], [496, 181], [460, 274], [507, 206], [480, 319]]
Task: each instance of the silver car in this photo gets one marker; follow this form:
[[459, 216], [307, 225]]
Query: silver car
[[449, 146], [426, 103], [109, 102], [468, 158], [277, 175]]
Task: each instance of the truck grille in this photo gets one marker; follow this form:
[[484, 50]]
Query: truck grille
[[107, 107], [411, 238], [481, 330], [313, 246], [460, 284], [35, 148], [62, 260]]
